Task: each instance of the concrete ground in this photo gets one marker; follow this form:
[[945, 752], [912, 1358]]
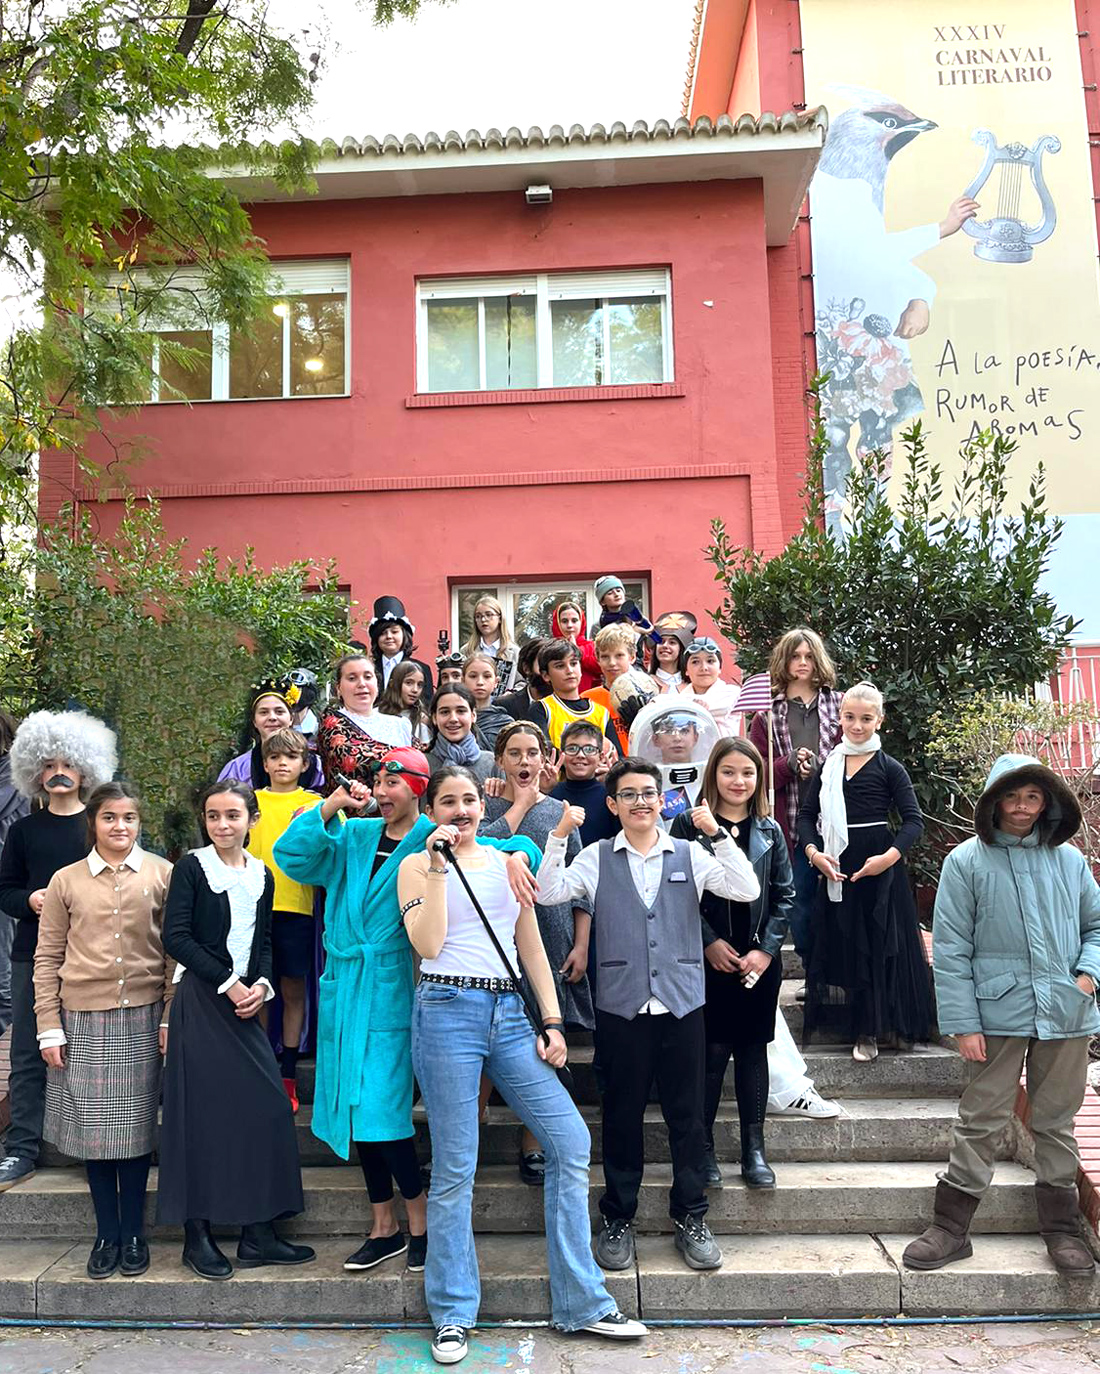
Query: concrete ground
[[1024, 1348]]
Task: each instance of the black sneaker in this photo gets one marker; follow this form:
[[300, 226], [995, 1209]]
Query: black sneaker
[[616, 1327], [615, 1244], [418, 1254], [13, 1170], [449, 1345], [695, 1242], [373, 1252]]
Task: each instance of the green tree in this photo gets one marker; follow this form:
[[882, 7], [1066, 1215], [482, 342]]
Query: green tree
[[167, 653], [932, 599]]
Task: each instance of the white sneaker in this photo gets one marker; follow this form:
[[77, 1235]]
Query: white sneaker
[[808, 1103], [449, 1345], [865, 1049], [617, 1327]]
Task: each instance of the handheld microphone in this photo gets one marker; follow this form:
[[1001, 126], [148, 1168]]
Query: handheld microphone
[[442, 847]]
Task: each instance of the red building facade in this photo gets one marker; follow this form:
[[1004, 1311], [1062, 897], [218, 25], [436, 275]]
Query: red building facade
[[653, 278]]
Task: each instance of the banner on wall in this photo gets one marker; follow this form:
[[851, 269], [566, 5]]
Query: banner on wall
[[954, 242]]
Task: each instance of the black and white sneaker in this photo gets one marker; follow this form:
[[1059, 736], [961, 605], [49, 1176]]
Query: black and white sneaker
[[418, 1254], [617, 1327], [373, 1252], [695, 1242], [449, 1345]]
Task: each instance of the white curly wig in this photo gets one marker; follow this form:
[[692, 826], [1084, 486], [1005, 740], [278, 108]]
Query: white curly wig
[[84, 742]]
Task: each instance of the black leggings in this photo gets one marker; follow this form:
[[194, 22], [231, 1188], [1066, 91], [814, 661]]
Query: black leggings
[[750, 1082], [382, 1161], [118, 1196]]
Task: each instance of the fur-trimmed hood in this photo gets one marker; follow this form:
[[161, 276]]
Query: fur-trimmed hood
[[79, 738], [1061, 819]]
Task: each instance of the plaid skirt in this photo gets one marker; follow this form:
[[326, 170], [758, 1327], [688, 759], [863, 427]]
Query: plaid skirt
[[103, 1103]]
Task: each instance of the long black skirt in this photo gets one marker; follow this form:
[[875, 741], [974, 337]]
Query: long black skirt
[[867, 974], [228, 1149]]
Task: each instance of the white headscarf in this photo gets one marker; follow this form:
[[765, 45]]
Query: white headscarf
[[834, 814]]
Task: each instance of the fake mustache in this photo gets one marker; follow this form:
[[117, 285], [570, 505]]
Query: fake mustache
[[59, 783]]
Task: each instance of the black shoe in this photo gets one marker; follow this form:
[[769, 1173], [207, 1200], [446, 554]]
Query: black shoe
[[800, 994], [754, 1166], [260, 1244], [695, 1242], [201, 1255], [532, 1168], [14, 1169], [373, 1252], [135, 1257], [615, 1244], [712, 1175], [103, 1261], [418, 1254]]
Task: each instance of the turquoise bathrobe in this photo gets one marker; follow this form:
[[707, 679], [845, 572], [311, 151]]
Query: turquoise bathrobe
[[364, 1009]]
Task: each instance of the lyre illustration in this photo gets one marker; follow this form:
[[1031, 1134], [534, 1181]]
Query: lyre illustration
[[1005, 237]]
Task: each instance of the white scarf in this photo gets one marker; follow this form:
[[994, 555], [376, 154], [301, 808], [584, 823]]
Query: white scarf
[[834, 814]]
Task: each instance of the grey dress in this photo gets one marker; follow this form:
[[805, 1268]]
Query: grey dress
[[555, 922]]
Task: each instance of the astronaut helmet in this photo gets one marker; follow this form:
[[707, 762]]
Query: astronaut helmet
[[674, 732]]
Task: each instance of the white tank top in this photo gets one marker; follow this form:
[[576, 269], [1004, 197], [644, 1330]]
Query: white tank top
[[467, 950]]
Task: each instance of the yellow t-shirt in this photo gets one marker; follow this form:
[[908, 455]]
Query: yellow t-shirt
[[277, 810]]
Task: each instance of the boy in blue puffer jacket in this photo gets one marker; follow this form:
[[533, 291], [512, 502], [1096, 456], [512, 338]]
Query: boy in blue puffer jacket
[[1016, 956]]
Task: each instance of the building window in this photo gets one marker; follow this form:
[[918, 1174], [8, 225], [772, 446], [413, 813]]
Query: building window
[[297, 347], [529, 606], [575, 329]]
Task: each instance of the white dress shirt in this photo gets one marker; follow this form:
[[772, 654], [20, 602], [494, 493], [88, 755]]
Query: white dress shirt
[[727, 873]]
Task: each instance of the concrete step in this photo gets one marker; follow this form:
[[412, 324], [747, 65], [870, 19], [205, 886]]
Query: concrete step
[[925, 1071], [870, 1128], [827, 1277], [1006, 1273], [812, 1198]]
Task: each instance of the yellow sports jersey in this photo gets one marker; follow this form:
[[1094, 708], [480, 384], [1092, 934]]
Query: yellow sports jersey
[[277, 810], [560, 715]]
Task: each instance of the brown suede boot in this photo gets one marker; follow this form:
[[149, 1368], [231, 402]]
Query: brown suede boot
[[946, 1240], [1060, 1226]]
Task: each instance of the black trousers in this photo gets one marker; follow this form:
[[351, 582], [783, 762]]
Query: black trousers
[[27, 1078], [632, 1053]]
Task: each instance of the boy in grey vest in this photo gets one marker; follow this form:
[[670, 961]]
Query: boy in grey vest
[[644, 888]]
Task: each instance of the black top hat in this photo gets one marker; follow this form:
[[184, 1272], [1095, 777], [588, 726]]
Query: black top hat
[[388, 610]]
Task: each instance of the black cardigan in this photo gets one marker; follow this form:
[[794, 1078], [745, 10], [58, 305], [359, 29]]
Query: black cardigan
[[196, 926]]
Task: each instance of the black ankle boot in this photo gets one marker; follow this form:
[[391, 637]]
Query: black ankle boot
[[712, 1175], [259, 1244], [201, 1255], [754, 1165]]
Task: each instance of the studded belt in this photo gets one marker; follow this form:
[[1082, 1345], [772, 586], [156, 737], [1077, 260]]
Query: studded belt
[[456, 980]]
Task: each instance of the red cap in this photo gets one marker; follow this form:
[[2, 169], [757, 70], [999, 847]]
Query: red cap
[[414, 768]]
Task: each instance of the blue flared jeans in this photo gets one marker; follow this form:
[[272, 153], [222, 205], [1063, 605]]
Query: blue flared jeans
[[457, 1034]]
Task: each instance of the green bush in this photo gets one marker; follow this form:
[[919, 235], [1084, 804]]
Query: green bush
[[166, 653], [934, 598]]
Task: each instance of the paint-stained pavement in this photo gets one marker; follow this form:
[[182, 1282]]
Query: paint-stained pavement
[[1026, 1348]]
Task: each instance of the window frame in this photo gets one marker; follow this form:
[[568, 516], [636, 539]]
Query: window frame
[[605, 286], [504, 588], [298, 277]]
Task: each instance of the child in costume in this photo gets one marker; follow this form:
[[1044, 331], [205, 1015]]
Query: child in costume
[[293, 924], [364, 1086], [1016, 955], [60, 758], [559, 673], [568, 622], [271, 709], [703, 671], [391, 635], [867, 977]]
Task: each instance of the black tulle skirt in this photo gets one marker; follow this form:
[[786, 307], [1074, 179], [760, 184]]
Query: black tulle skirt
[[867, 974], [228, 1148]]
